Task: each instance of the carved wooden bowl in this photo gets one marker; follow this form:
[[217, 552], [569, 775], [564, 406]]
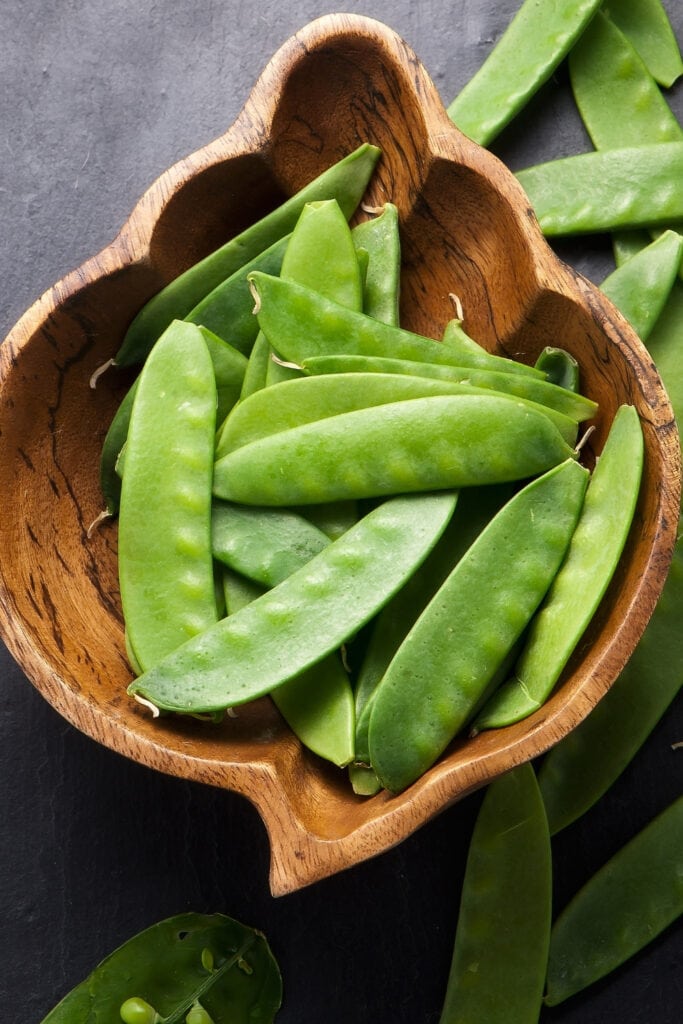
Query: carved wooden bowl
[[467, 228]]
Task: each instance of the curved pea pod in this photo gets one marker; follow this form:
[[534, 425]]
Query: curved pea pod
[[630, 187], [165, 564], [379, 238], [229, 367], [256, 372], [416, 445], [500, 952], [534, 43], [640, 288], [443, 668], [634, 897], [581, 582], [114, 441], [310, 614], [468, 352], [346, 181], [647, 25], [333, 518], [191, 958], [560, 368], [266, 545]]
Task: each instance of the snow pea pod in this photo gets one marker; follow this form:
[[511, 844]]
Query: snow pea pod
[[415, 445], [442, 669], [560, 367], [634, 897], [115, 439], [165, 565], [345, 180], [500, 953], [257, 367], [534, 43], [641, 287], [469, 352], [379, 238], [582, 580], [310, 614], [647, 25], [630, 187]]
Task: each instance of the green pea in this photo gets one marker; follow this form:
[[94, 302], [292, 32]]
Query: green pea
[[634, 897], [346, 181], [442, 669], [198, 1015], [525, 56], [642, 286], [581, 582], [165, 565], [419, 444], [500, 952], [137, 1011], [560, 368], [310, 614], [647, 25], [631, 187], [379, 238]]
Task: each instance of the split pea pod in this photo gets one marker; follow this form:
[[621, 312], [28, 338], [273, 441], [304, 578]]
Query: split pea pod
[[165, 564], [415, 445], [634, 897], [346, 181], [309, 615], [578, 588], [500, 952], [379, 238], [442, 670]]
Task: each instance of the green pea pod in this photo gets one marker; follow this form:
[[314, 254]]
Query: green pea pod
[[264, 544], [442, 669], [334, 518], [415, 445], [346, 181], [207, 958], [229, 367], [617, 188], [579, 586], [379, 238], [634, 897], [470, 353], [115, 439], [534, 43], [641, 287], [647, 25], [500, 953], [560, 368], [532, 389], [257, 368], [165, 565], [310, 614], [238, 590]]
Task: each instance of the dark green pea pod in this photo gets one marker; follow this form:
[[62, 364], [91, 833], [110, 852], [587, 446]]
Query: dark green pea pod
[[446, 662], [500, 952], [534, 43], [647, 25], [580, 584], [468, 352], [114, 441], [379, 238], [419, 444], [333, 518], [631, 900], [640, 288], [346, 181], [206, 959], [560, 368], [309, 615], [636, 186]]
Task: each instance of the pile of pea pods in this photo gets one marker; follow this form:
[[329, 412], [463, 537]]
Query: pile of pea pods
[[311, 497]]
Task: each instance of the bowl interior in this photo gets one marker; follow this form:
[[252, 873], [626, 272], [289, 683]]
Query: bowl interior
[[466, 230]]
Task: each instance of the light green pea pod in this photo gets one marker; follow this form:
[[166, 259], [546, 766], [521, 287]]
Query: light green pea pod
[[165, 564], [333, 518], [580, 585], [309, 615], [534, 43], [634, 897], [419, 444], [560, 368], [379, 238], [500, 952], [442, 669], [256, 372], [647, 25], [346, 181], [636, 186], [229, 367], [238, 591], [468, 352], [641, 287]]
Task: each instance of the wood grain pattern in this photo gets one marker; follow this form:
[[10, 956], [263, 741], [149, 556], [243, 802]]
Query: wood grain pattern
[[467, 229]]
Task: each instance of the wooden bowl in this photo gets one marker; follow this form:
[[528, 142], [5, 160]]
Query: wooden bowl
[[467, 228]]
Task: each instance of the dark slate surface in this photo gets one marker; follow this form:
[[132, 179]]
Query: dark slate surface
[[96, 99]]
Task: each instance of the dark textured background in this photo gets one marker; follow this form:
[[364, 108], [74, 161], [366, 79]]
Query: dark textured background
[[96, 100]]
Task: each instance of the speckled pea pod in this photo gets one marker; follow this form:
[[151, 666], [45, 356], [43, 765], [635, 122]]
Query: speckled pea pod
[[442, 669], [617, 188], [165, 564], [415, 445], [534, 43], [581, 582], [468, 352], [311, 614], [346, 181], [634, 897], [500, 953], [379, 238], [647, 25], [641, 287]]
